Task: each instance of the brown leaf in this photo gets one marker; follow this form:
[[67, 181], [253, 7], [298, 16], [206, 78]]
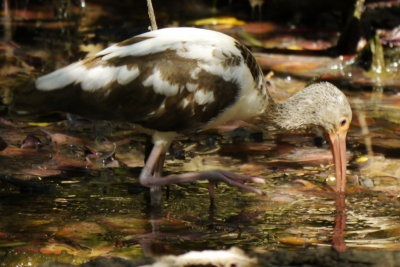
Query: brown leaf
[[12, 151], [41, 172], [80, 230], [309, 185], [63, 139], [292, 240], [31, 141]]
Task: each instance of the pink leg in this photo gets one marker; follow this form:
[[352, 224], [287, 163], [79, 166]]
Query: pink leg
[[229, 178], [153, 170], [148, 176]]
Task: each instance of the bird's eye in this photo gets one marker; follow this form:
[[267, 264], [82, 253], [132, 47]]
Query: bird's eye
[[343, 122]]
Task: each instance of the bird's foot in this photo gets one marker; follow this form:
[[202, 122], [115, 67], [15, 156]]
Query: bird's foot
[[214, 176], [232, 179]]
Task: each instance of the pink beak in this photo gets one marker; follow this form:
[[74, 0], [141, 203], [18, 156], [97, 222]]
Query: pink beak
[[338, 148]]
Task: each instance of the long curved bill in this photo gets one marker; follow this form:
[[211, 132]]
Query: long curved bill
[[338, 148]]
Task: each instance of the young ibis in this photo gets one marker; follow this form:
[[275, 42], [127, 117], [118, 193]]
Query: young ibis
[[177, 81]]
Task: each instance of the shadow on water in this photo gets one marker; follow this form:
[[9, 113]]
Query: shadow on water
[[77, 196]]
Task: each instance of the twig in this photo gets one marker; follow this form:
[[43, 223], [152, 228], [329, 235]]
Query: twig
[[359, 106], [152, 16], [7, 27]]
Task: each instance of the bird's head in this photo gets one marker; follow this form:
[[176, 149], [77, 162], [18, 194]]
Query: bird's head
[[320, 106], [334, 116]]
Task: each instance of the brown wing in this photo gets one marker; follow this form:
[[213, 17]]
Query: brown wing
[[168, 93]]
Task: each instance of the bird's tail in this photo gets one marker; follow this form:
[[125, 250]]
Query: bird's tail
[[30, 104]]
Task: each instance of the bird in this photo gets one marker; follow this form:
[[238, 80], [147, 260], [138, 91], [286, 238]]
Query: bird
[[181, 81]]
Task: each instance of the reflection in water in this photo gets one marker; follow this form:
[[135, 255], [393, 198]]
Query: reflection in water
[[149, 241], [340, 223]]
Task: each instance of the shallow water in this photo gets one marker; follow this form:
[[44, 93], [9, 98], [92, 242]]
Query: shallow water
[[82, 210]]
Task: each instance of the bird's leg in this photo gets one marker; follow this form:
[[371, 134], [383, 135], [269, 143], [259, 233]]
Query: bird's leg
[[158, 168], [159, 173], [155, 191], [160, 164], [211, 192], [153, 170], [232, 179], [215, 176]]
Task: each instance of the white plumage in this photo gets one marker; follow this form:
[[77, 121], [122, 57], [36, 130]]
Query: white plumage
[[215, 53]]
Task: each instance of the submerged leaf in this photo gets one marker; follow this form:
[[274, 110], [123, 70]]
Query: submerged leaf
[[293, 240]]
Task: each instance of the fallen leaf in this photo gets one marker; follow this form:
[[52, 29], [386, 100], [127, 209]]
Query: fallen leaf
[[292, 240], [259, 27], [63, 139], [41, 172], [217, 21], [309, 185], [80, 230], [31, 141], [12, 151]]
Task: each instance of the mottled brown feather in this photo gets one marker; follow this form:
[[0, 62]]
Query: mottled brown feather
[[136, 103]]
